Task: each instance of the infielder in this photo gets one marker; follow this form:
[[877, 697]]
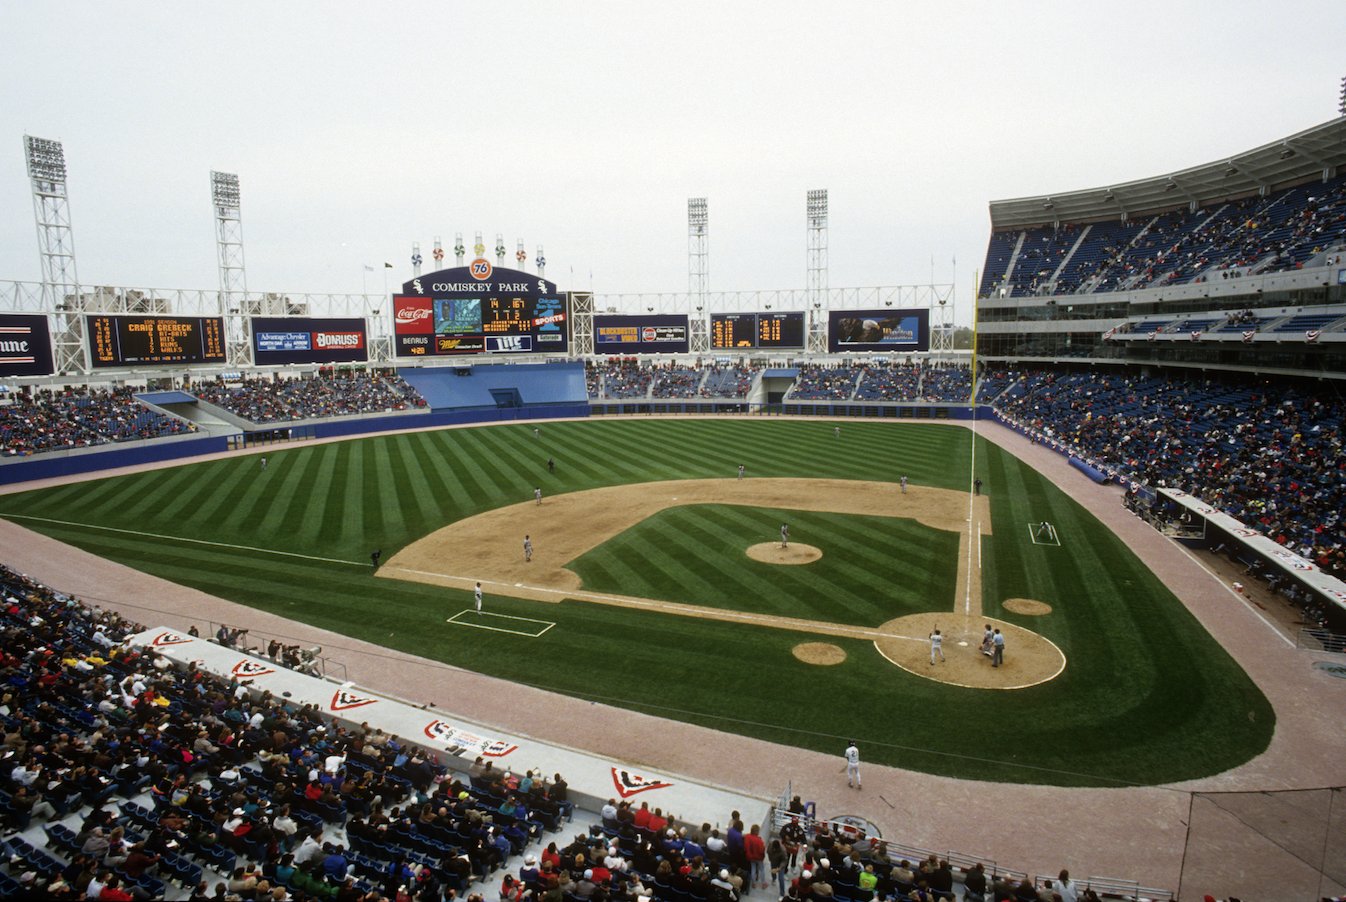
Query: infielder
[[853, 766], [527, 549], [903, 481], [740, 471], [784, 535], [537, 494], [477, 596]]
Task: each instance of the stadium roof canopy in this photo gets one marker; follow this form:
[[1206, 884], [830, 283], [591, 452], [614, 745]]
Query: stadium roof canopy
[[1301, 157]]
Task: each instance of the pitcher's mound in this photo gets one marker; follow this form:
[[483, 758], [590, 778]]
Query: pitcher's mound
[[772, 553], [822, 653], [1027, 606]]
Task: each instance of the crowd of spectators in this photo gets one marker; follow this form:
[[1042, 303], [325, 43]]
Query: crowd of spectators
[[1253, 235], [236, 783], [263, 400], [728, 381], [674, 381], [946, 382], [33, 421], [825, 382], [622, 377], [1267, 453], [894, 382]]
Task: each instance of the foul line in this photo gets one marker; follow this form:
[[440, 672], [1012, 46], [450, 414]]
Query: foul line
[[798, 625], [153, 535]]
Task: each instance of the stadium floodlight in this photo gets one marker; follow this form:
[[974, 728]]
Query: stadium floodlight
[[817, 208], [46, 159], [224, 189], [698, 216]]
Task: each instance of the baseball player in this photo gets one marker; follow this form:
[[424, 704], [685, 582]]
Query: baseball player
[[741, 468], [987, 640], [785, 535], [853, 766], [537, 494], [263, 463], [903, 482], [527, 549], [936, 646], [477, 595]]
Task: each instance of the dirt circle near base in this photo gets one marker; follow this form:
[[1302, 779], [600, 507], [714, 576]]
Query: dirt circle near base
[[1027, 606], [1030, 659], [824, 654], [772, 553]]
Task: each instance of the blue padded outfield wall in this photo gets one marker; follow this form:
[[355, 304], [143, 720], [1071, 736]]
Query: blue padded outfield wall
[[64, 463]]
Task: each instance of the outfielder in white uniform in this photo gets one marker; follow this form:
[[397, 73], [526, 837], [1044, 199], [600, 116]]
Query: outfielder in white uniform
[[853, 766], [477, 595]]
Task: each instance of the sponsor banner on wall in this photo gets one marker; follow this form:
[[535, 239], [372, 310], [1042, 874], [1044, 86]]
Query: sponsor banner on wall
[[286, 340], [25, 346]]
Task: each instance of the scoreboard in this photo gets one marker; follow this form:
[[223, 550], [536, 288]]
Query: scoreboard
[[479, 309], [136, 340], [757, 330]]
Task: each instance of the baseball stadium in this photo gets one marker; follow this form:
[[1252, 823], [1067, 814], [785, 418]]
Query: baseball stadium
[[313, 589]]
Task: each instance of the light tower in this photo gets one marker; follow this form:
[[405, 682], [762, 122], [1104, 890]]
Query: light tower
[[56, 248], [816, 211], [698, 270], [227, 200]]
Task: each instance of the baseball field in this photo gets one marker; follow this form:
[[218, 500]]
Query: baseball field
[[658, 582]]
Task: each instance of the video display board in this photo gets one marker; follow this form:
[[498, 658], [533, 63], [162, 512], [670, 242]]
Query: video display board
[[25, 346], [479, 309], [289, 339], [653, 334], [878, 330], [139, 340], [757, 330]]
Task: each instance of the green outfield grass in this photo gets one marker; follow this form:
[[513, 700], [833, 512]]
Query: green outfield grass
[[1147, 697]]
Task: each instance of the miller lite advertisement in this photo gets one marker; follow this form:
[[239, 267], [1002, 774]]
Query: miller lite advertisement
[[293, 339], [479, 309]]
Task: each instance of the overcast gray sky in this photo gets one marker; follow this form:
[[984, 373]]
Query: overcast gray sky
[[358, 128]]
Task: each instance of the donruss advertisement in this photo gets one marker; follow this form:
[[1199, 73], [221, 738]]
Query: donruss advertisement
[[871, 331], [479, 309], [652, 334], [286, 340], [25, 346]]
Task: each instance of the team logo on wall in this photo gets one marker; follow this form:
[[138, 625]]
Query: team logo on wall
[[165, 639], [481, 269], [628, 784], [248, 669], [344, 700]]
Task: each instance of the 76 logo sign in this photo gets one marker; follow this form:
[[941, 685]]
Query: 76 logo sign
[[480, 269]]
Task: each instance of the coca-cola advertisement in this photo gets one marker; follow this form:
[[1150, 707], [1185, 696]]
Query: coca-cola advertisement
[[413, 315]]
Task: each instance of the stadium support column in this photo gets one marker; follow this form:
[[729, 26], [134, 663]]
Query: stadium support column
[[581, 323], [227, 200], [941, 319], [56, 247], [499, 249], [541, 263], [416, 259], [816, 211], [698, 271], [520, 255], [459, 249]]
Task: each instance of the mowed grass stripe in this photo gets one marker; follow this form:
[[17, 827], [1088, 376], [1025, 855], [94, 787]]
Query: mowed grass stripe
[[319, 470]]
